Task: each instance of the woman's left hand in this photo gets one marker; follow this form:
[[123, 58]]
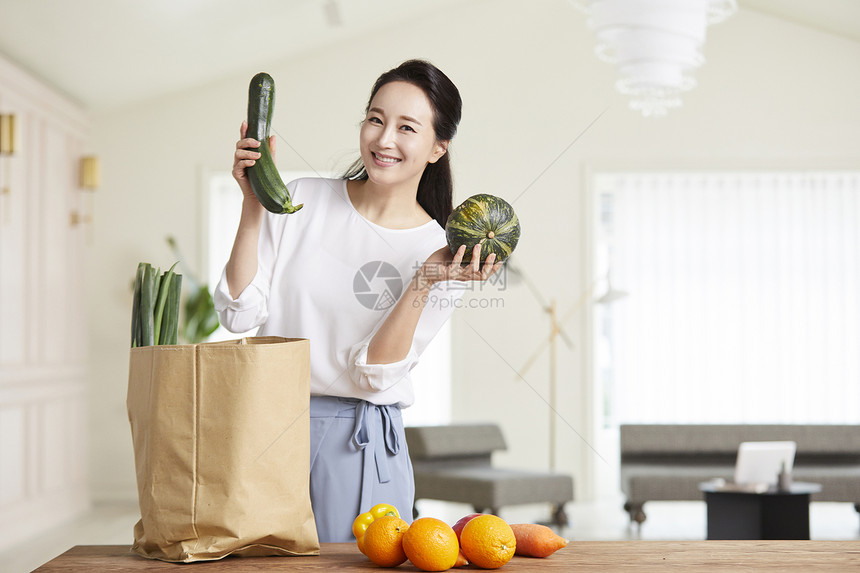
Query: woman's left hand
[[443, 266]]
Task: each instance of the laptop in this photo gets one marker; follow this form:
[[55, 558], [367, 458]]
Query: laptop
[[759, 463]]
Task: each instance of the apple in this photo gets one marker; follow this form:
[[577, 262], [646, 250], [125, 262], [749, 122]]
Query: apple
[[458, 527]]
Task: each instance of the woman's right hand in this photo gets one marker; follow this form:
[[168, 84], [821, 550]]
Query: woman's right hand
[[245, 157]]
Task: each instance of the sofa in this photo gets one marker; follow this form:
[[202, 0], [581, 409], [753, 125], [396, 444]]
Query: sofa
[[668, 462], [454, 463]]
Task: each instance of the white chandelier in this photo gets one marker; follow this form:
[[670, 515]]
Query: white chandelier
[[656, 44]]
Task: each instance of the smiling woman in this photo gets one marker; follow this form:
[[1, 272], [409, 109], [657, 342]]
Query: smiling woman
[[363, 271]]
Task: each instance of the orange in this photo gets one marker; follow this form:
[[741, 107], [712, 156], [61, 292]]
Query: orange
[[431, 544], [488, 541], [383, 542]]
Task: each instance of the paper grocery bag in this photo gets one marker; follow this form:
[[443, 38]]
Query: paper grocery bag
[[221, 449]]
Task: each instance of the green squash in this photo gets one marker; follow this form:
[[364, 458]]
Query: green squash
[[484, 219]]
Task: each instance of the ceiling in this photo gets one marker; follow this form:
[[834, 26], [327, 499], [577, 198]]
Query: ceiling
[[154, 47]]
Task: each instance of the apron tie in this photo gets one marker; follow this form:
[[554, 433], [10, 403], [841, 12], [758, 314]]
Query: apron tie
[[370, 419], [367, 423]]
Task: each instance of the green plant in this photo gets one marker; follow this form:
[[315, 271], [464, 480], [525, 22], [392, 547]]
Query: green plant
[[199, 318]]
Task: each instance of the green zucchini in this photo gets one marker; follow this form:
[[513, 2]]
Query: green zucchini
[[263, 175]]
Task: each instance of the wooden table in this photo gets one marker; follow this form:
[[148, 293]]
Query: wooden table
[[577, 557]]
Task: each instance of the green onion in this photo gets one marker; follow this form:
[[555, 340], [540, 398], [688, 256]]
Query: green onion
[[147, 306], [163, 289], [169, 332], [135, 309], [155, 308]]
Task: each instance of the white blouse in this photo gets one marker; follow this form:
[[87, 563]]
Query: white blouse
[[327, 274]]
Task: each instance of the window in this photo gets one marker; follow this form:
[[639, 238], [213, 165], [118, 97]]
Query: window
[[742, 303]]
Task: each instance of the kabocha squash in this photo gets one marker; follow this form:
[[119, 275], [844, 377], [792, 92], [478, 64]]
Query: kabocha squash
[[484, 219], [263, 175]]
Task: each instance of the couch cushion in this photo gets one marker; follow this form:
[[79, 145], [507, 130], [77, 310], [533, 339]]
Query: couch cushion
[[645, 482], [705, 439], [430, 442], [838, 482], [680, 482], [493, 487], [667, 462]]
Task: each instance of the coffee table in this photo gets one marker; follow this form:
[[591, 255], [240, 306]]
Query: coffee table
[[736, 512]]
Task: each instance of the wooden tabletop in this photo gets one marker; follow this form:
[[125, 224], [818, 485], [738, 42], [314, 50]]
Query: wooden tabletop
[[579, 557]]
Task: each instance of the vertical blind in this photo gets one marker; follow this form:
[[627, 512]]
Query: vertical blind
[[743, 297]]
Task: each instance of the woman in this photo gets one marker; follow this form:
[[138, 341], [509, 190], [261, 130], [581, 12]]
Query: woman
[[334, 273]]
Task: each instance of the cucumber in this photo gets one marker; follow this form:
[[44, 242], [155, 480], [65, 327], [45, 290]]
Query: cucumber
[[263, 175]]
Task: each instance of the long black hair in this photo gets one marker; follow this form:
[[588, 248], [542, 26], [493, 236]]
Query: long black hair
[[436, 187]]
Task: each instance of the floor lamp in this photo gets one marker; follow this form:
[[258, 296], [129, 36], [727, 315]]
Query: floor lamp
[[555, 330]]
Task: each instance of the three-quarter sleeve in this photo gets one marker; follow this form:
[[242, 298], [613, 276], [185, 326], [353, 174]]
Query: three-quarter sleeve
[[442, 299], [378, 377], [249, 310]]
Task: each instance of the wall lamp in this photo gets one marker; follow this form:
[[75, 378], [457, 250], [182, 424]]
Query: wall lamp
[[7, 134], [89, 179], [90, 173], [7, 149]]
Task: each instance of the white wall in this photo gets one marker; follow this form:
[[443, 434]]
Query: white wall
[[43, 371], [771, 95]]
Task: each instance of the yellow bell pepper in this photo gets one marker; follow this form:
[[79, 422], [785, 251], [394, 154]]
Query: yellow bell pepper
[[363, 521]]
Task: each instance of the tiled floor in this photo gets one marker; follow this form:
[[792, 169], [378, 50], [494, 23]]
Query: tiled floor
[[599, 520]]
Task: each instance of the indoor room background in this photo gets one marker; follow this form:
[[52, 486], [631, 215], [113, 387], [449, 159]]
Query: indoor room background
[[706, 276]]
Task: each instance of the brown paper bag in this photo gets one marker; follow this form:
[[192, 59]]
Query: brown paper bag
[[221, 449]]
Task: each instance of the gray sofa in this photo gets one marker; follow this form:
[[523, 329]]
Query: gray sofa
[[668, 462], [453, 463]]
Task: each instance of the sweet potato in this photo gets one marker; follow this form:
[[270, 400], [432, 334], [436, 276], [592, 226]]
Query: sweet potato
[[536, 540]]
